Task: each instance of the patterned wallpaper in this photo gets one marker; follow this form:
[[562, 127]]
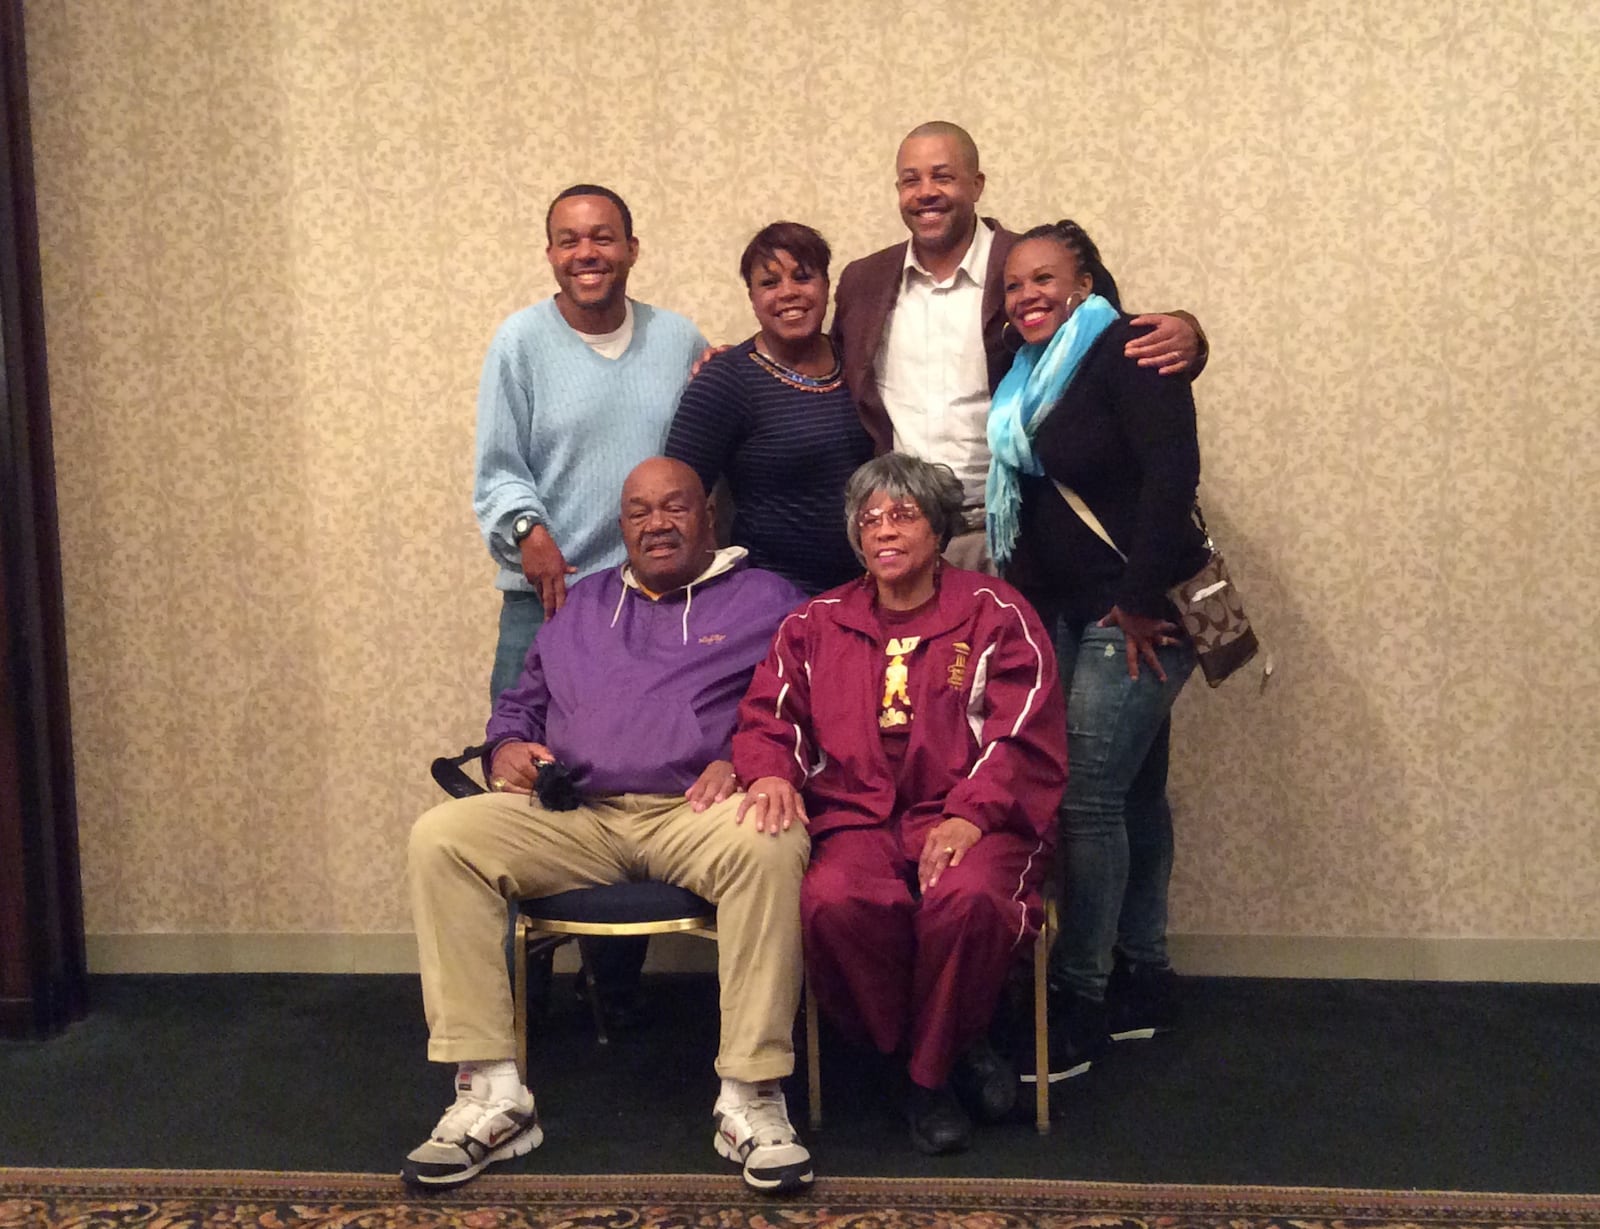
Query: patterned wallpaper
[[278, 234]]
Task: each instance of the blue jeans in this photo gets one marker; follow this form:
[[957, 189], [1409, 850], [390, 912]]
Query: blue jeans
[[1116, 826], [521, 617]]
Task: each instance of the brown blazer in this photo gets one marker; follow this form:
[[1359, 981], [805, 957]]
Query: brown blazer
[[865, 298], [861, 307]]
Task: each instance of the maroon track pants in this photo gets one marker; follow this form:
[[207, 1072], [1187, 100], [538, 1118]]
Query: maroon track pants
[[891, 969]]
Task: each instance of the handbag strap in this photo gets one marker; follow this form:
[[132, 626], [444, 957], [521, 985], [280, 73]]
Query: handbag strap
[[1087, 516]]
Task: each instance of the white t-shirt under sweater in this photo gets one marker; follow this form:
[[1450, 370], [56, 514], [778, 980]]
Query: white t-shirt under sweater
[[612, 345]]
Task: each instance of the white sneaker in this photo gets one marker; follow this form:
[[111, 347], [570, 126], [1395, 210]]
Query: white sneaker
[[474, 1133], [754, 1133]]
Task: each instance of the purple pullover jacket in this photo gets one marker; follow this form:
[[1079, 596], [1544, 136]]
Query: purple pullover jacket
[[638, 695]]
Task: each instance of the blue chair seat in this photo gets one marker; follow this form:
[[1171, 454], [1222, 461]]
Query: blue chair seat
[[648, 903]]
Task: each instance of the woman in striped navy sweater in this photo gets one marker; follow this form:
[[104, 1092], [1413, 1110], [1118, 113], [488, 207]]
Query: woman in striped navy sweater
[[772, 415]]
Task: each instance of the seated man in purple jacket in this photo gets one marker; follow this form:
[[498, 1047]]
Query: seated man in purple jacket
[[633, 685]]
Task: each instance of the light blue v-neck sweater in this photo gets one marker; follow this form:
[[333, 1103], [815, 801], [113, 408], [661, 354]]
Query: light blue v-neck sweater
[[559, 427]]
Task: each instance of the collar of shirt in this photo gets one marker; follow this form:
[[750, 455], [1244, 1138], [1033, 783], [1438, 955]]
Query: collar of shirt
[[975, 264]]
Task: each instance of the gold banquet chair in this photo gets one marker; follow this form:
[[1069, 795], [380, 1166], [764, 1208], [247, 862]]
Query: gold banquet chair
[[609, 911], [1041, 1031]]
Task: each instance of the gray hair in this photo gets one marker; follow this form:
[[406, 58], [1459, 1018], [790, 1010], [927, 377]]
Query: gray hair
[[932, 487]]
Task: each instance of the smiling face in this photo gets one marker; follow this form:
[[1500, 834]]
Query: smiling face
[[1044, 286], [897, 542], [939, 188], [788, 299], [666, 524], [590, 254]]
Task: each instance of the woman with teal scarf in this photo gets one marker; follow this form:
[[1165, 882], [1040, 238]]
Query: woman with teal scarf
[[1089, 513]]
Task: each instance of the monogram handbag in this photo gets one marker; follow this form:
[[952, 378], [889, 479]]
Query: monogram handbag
[[1208, 603]]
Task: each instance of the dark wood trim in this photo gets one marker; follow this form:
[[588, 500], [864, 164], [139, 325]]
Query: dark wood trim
[[43, 969]]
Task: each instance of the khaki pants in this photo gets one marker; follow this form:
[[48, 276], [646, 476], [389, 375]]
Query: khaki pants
[[471, 855], [971, 551]]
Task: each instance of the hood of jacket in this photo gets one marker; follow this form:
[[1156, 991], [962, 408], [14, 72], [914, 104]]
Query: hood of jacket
[[722, 562]]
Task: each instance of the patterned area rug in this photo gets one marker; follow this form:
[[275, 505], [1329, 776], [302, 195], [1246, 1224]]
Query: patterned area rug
[[167, 1199]]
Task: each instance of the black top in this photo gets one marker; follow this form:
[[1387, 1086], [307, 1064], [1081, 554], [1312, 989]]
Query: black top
[[787, 448], [1123, 438]]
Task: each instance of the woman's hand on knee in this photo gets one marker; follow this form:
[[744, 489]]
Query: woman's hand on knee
[[773, 805], [947, 843]]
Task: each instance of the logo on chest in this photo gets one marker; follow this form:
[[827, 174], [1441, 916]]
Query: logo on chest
[[956, 672], [895, 710]]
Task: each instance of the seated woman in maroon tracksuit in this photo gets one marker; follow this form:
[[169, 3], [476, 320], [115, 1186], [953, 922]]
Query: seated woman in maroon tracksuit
[[913, 721]]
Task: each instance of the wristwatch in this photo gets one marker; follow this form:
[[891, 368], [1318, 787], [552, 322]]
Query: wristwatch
[[522, 527]]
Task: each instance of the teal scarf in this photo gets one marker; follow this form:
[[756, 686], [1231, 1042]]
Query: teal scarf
[[1038, 376]]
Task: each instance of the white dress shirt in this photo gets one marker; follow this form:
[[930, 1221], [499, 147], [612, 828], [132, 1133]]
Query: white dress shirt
[[932, 371]]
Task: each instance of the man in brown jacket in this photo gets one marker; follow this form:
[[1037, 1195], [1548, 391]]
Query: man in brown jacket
[[918, 324]]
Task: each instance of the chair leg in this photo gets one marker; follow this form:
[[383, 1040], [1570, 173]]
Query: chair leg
[[813, 1061], [519, 997], [591, 991], [1041, 1022]]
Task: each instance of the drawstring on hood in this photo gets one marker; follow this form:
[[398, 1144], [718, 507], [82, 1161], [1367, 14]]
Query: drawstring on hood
[[723, 561]]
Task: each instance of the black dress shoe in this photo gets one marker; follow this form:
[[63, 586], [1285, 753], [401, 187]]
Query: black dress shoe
[[938, 1123], [985, 1082]]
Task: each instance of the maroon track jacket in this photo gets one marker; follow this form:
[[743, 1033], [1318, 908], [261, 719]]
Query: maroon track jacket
[[988, 742]]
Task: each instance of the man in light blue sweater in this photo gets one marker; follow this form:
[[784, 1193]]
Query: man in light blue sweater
[[576, 390]]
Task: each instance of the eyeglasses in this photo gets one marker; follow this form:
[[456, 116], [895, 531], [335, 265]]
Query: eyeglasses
[[895, 514]]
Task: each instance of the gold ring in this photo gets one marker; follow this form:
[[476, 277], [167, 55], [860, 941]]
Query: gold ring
[[761, 797], [499, 783], [950, 849]]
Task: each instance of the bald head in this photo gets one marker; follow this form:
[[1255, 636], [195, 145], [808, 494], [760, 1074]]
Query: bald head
[[654, 471], [955, 133], [667, 525]]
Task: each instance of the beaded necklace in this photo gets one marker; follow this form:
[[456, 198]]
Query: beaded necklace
[[798, 379]]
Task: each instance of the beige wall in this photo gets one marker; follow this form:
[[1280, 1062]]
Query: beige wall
[[278, 234]]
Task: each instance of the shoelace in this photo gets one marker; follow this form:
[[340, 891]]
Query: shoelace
[[464, 1115], [768, 1119]]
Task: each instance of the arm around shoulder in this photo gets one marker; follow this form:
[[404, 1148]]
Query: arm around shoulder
[[1172, 342]]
